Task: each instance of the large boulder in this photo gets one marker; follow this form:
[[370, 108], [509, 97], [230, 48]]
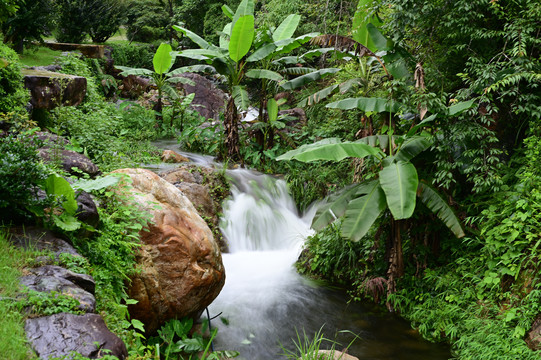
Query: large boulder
[[62, 334], [181, 263], [206, 188], [208, 100], [88, 50], [50, 89]]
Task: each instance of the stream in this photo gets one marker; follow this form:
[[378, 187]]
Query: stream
[[265, 304]]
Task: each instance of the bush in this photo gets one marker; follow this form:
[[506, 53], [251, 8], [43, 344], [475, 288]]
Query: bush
[[13, 96], [133, 55], [72, 21], [106, 19], [20, 173]]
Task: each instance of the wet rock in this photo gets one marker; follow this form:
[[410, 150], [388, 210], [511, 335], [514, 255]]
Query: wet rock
[[86, 282], [71, 161], [51, 279], [32, 237], [533, 338], [49, 89], [170, 156], [181, 264], [208, 101], [43, 139], [87, 210], [334, 355], [60, 334]]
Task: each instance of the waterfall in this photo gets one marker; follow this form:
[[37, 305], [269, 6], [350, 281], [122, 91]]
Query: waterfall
[[265, 302]]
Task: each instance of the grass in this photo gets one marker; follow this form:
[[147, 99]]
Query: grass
[[39, 56], [13, 344]]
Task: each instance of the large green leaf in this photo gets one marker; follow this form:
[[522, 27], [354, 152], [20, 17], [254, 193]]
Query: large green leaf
[[96, 184], [459, 107], [272, 109], [242, 100], [163, 61], [334, 207], [262, 52], [246, 7], [228, 11], [359, 30], [287, 28], [181, 80], [435, 202], [126, 71], [192, 68], [412, 147], [380, 42], [242, 37], [225, 36], [377, 140], [264, 74], [335, 151], [365, 104], [399, 181], [60, 188], [202, 43], [308, 78], [363, 211], [319, 96], [289, 45]]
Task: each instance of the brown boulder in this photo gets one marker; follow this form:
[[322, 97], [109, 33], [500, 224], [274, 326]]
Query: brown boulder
[[181, 263], [88, 50], [169, 156], [50, 89], [134, 86]]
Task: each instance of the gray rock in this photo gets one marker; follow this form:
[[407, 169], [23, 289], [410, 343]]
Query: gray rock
[[60, 334], [70, 159], [86, 282], [37, 238], [51, 283], [49, 89], [87, 211]]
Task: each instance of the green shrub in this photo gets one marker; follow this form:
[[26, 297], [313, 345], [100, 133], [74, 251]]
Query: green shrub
[[133, 55], [13, 96], [20, 173]]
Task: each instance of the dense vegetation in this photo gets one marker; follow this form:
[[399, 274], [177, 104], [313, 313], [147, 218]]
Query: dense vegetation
[[423, 134]]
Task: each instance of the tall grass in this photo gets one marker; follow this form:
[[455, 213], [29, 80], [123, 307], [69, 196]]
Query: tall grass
[[13, 344]]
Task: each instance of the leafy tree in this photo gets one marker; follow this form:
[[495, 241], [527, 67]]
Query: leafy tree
[[106, 18], [78, 18], [7, 9], [31, 22], [147, 21]]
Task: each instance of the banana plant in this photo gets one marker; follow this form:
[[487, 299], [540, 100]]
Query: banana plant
[[396, 186], [162, 77], [238, 57]]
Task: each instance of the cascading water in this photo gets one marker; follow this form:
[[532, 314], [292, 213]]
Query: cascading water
[[265, 302]]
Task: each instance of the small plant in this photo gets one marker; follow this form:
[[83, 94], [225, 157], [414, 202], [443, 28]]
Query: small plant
[[308, 348], [49, 303]]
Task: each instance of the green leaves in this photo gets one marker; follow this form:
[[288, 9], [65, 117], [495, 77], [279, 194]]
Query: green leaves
[[330, 149], [435, 202], [241, 97], [287, 28], [399, 181], [272, 109], [163, 61], [264, 74], [308, 78], [365, 104], [363, 211], [242, 37]]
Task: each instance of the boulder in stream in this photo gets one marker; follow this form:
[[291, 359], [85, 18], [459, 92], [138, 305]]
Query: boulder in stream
[[181, 263]]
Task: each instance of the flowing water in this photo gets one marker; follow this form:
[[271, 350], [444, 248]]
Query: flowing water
[[265, 303]]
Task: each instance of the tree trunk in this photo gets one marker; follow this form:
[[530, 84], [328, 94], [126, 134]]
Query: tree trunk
[[396, 261], [232, 131]]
